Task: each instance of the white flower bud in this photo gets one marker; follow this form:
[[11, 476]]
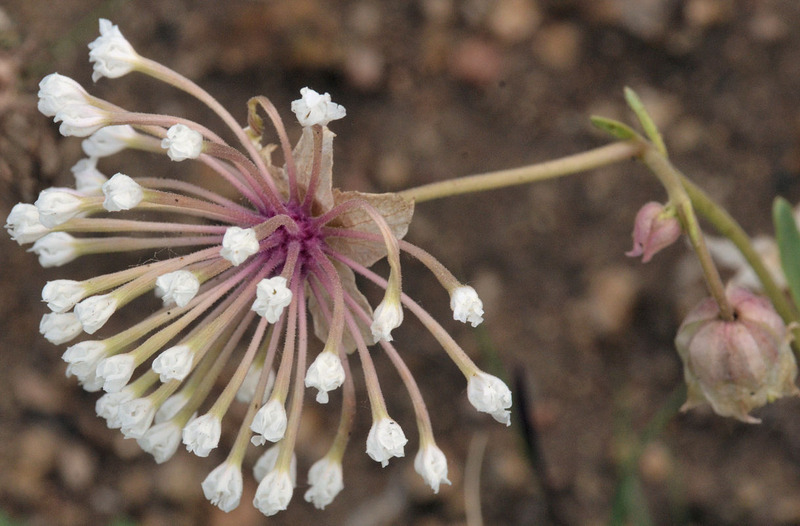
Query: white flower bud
[[272, 296], [177, 288], [326, 481], [431, 464], [136, 416], [325, 374], [466, 305], [57, 206], [385, 440], [267, 461], [247, 391], [107, 406], [91, 384], [122, 193], [83, 358], [109, 140], [274, 492], [171, 407], [269, 423], [313, 108], [62, 294], [60, 328], [387, 316], [88, 179], [23, 224], [238, 244], [55, 249], [161, 440], [81, 120], [174, 364], [116, 371], [94, 312], [223, 486], [182, 143], [488, 394], [112, 55], [56, 92], [201, 435]]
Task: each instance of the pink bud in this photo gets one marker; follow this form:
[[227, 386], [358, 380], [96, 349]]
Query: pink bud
[[736, 366], [656, 227]]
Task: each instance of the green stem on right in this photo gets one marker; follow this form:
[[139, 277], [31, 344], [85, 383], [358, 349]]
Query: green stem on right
[[729, 228], [670, 178]]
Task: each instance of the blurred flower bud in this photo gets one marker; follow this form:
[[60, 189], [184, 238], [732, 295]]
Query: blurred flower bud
[[736, 366], [656, 227]]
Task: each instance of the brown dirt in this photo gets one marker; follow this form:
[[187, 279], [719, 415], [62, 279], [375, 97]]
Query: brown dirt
[[436, 89]]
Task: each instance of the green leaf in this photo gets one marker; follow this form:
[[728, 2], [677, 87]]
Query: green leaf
[[789, 244], [635, 103], [615, 128]]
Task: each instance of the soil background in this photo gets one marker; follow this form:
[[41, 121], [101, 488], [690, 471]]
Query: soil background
[[436, 89]]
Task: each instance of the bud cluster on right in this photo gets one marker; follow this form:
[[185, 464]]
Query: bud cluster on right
[[740, 365]]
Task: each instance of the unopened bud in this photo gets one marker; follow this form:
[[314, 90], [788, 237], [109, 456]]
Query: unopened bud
[[656, 227], [736, 366]]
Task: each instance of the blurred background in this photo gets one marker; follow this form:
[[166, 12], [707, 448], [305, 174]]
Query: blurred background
[[436, 89]]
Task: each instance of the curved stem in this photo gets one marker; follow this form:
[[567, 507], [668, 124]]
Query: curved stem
[[169, 76]]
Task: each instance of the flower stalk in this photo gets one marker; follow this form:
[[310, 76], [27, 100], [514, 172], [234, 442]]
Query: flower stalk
[[571, 164]]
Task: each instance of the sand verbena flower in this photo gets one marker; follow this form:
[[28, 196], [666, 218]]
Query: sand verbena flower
[[238, 283]]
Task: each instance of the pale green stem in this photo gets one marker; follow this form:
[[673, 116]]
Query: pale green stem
[[142, 384], [213, 329], [164, 391], [194, 308], [580, 162], [334, 287], [224, 401], [102, 245], [283, 377], [189, 188], [374, 393], [107, 225], [109, 281], [178, 203], [420, 409], [605, 155], [453, 350], [671, 180], [243, 437], [205, 375], [296, 408], [336, 451], [727, 226], [169, 76], [316, 163], [146, 120]]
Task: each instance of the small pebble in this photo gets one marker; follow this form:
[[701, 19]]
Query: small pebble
[[77, 467], [477, 61], [514, 20]]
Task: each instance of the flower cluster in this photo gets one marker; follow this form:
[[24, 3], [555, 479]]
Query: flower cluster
[[237, 285]]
